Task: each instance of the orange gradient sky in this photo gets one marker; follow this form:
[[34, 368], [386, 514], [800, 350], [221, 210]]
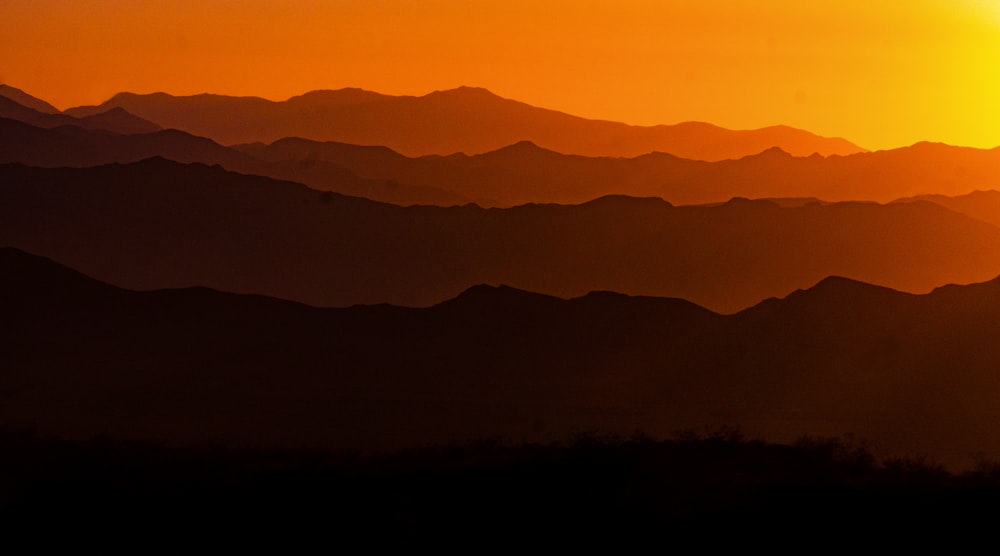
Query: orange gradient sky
[[882, 73]]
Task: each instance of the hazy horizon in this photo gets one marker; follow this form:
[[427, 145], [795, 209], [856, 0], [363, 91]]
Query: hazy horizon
[[880, 76]]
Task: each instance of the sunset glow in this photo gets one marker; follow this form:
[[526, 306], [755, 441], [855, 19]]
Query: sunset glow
[[882, 74], [519, 270]]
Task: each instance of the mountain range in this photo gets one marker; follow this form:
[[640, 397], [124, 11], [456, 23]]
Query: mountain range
[[466, 119], [115, 120], [73, 146], [907, 372], [347, 270], [516, 174], [161, 224], [524, 173]]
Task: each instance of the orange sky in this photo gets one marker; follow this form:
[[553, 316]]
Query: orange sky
[[882, 73]]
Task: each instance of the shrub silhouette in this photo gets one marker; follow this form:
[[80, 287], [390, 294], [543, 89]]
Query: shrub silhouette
[[596, 486]]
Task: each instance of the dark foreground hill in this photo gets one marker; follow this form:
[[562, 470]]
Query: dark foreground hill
[[593, 489], [159, 224], [466, 119], [911, 374]]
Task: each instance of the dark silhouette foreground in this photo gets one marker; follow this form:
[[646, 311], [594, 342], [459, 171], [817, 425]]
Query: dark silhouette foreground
[[592, 488], [910, 373]]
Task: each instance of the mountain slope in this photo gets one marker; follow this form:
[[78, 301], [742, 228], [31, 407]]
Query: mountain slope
[[983, 205], [24, 99]]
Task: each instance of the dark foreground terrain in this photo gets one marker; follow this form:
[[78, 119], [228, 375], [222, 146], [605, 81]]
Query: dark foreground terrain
[[713, 489], [910, 373]]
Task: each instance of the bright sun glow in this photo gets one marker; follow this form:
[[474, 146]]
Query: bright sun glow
[[990, 8]]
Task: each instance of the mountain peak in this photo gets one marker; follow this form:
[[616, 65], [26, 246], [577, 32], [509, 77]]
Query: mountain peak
[[467, 91], [623, 201], [526, 144], [840, 282], [744, 202], [523, 147], [831, 295], [130, 95], [344, 96], [771, 153], [843, 289], [489, 297]]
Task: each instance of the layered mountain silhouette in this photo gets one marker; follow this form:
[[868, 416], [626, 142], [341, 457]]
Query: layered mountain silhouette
[[115, 120], [159, 224], [70, 145], [523, 172], [984, 205], [326, 280], [469, 120], [909, 373]]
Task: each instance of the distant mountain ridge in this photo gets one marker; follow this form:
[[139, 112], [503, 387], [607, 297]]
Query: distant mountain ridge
[[466, 119], [24, 99], [983, 205], [164, 224], [524, 172], [114, 120], [70, 145]]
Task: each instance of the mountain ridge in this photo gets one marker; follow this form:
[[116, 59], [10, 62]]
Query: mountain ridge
[[115, 119], [257, 369], [72, 146], [26, 268], [440, 123], [524, 172], [166, 224]]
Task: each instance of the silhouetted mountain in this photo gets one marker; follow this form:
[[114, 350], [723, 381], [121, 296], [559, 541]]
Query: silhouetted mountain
[[983, 205], [15, 111], [469, 120], [72, 146], [118, 120], [910, 373], [524, 172], [24, 99], [163, 224], [115, 120]]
